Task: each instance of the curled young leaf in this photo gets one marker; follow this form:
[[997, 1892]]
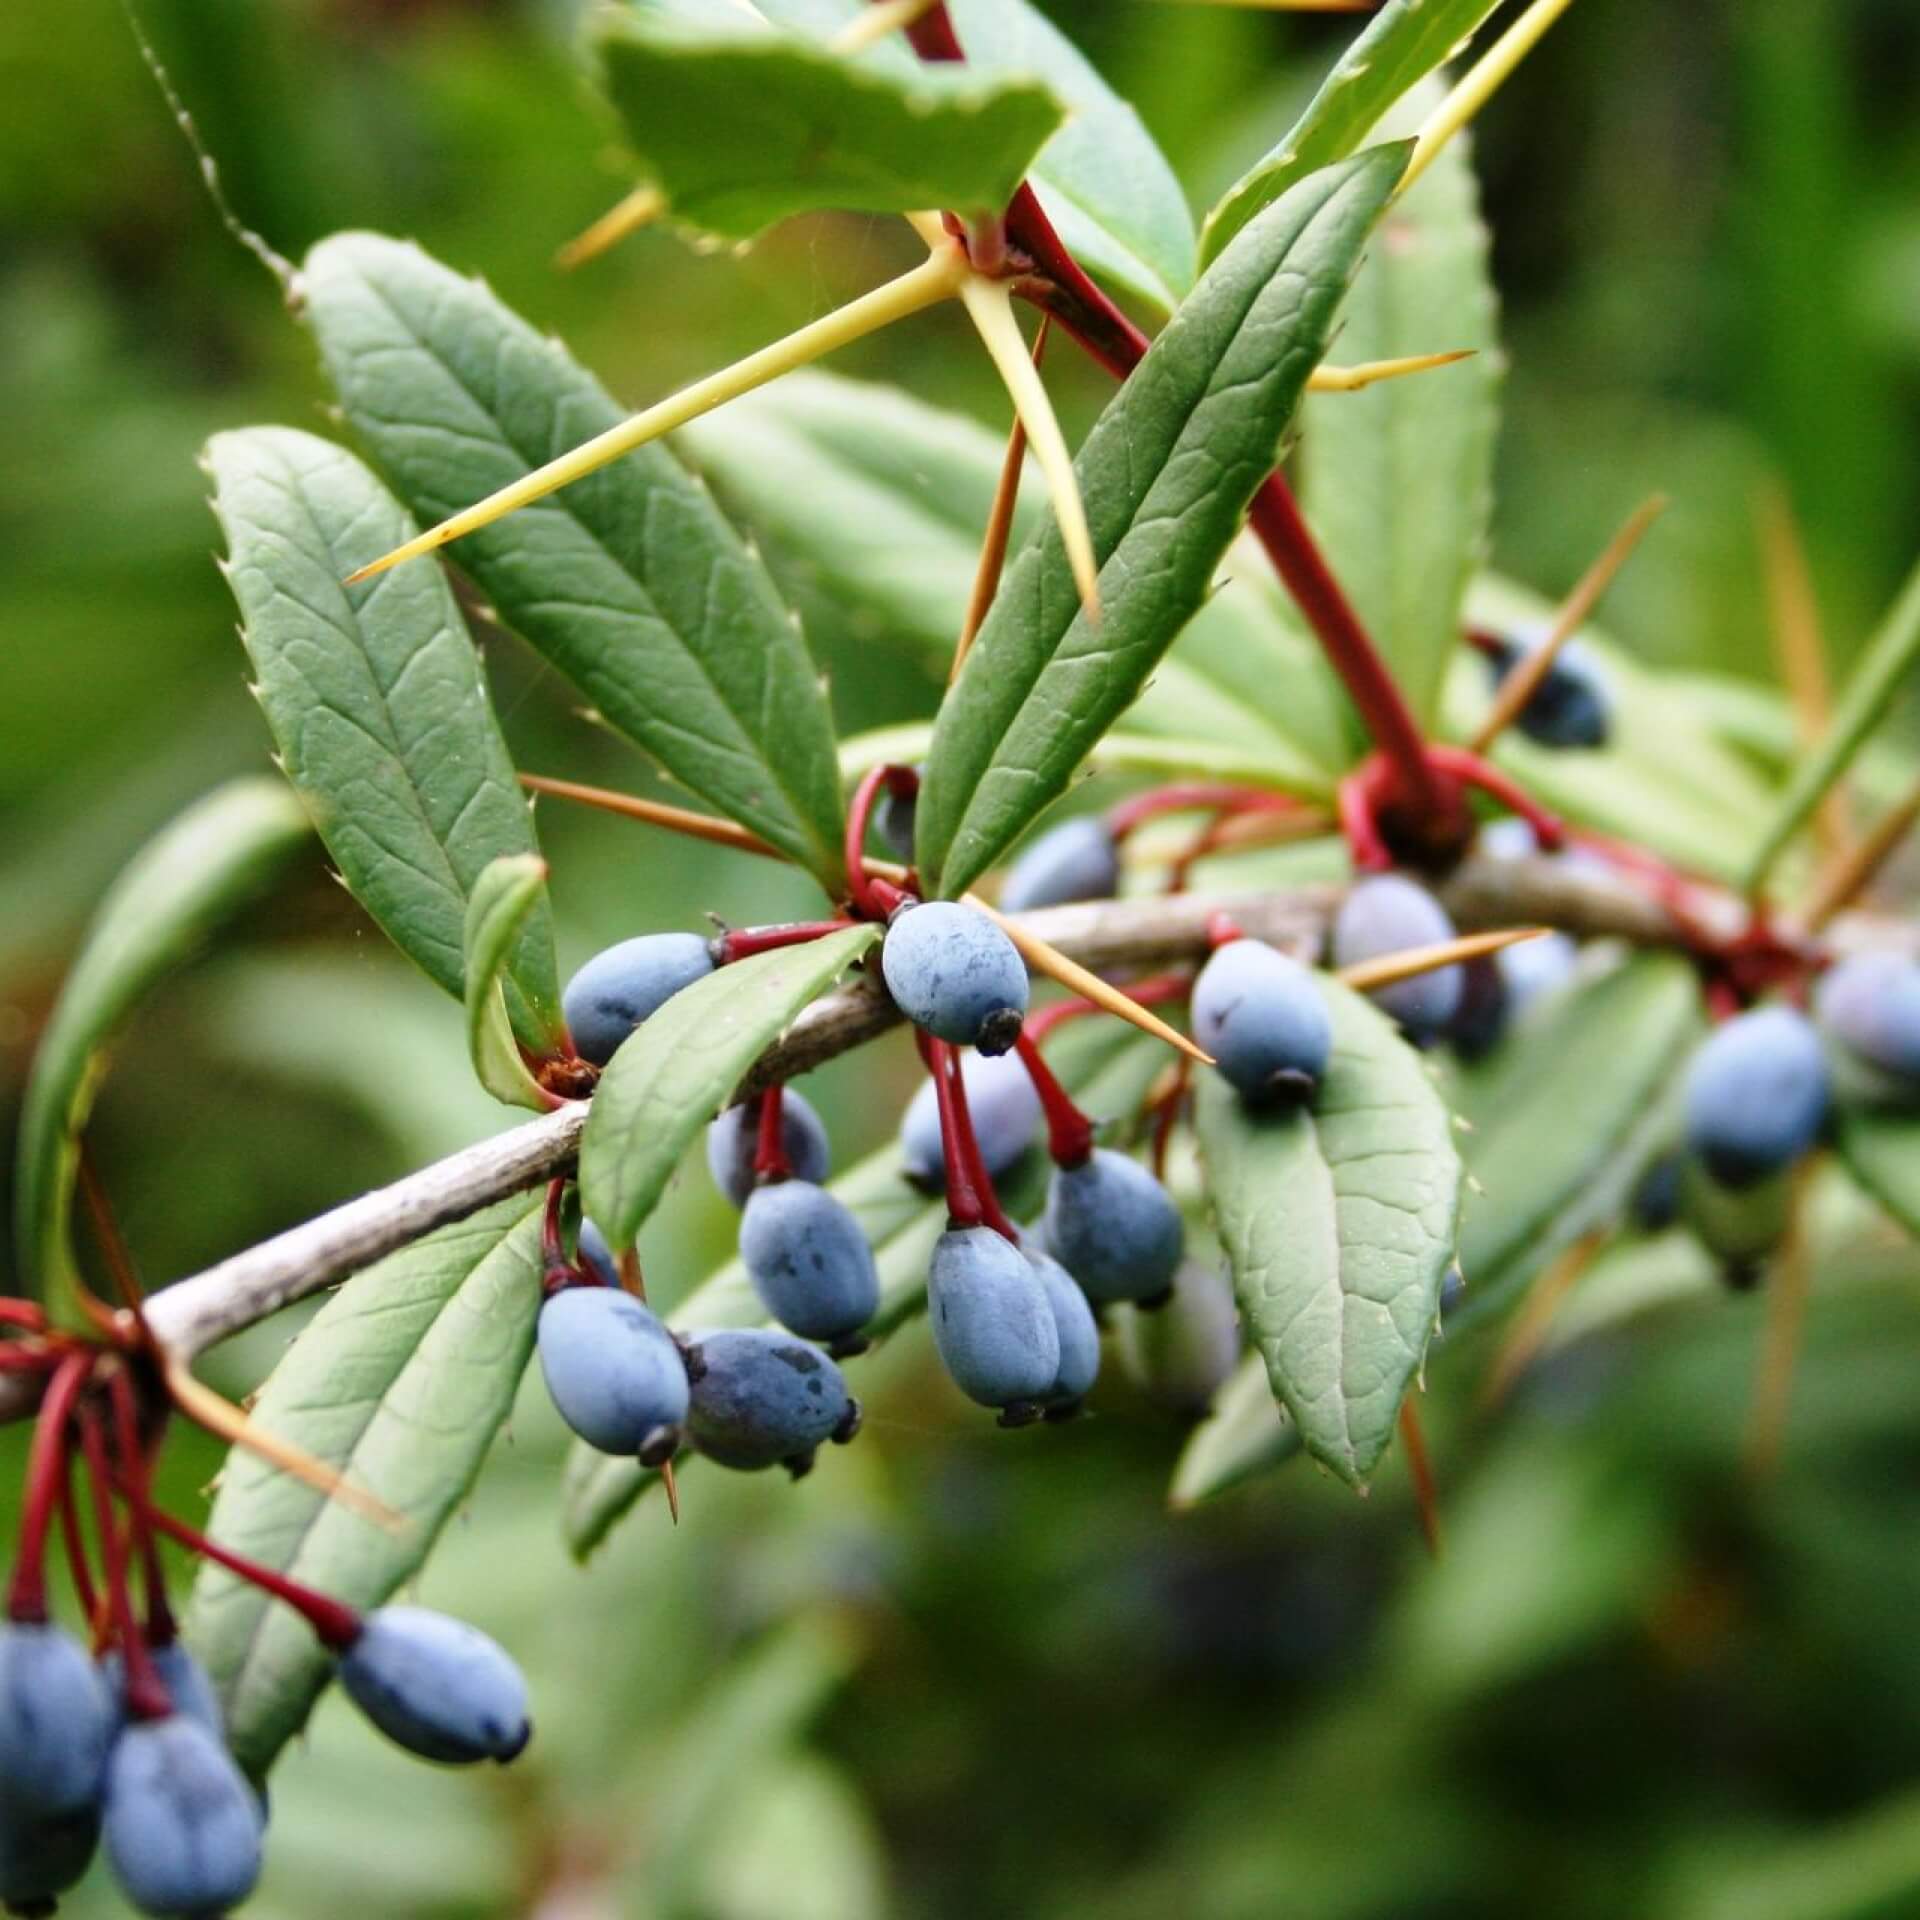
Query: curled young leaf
[[504, 897]]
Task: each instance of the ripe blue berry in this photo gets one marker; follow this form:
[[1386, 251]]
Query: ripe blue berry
[[56, 1720], [618, 988], [596, 1255], [808, 1260], [993, 1324], [1571, 707], [189, 1686], [1078, 1331], [764, 1399], [1114, 1227], [1497, 988], [42, 1855], [734, 1139], [1182, 1354], [955, 975], [894, 817], [1262, 1018], [1004, 1109], [437, 1686], [1076, 860], [614, 1372], [1756, 1095], [181, 1825], [1388, 914], [1870, 1003]]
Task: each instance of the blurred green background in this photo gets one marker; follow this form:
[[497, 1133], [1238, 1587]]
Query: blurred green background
[[962, 1673]]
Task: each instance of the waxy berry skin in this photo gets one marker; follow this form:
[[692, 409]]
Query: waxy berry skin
[[613, 1371], [808, 1260], [1183, 1353], [733, 1141], [761, 1398], [993, 1324], [1004, 1109], [596, 1255], [189, 1686], [437, 1686], [1756, 1095], [1114, 1227], [1073, 1322], [1076, 860], [1263, 1019], [1386, 914], [1870, 1004], [181, 1826], [1571, 707], [618, 988], [955, 975], [57, 1719]]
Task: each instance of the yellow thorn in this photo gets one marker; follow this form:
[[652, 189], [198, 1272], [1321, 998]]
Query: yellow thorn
[[1534, 1321], [1290, 6], [1843, 882], [673, 1491], [1519, 686], [1331, 379], [1089, 986], [1368, 976], [1780, 1335], [937, 278], [989, 303], [1479, 84], [889, 16], [640, 208]]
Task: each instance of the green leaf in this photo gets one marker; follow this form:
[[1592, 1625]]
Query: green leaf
[[1404, 42], [1397, 480], [1102, 181], [681, 1066], [504, 899], [630, 581], [1565, 1118], [1881, 1148], [1247, 1432], [1881, 671], [401, 1381], [741, 125], [377, 704], [1166, 473], [1339, 1224], [200, 868]]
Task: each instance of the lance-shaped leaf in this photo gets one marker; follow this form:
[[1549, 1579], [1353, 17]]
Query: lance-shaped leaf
[[1166, 475], [1404, 42], [1247, 1432], [740, 124], [1339, 1222], [196, 871], [630, 581], [1565, 1118], [401, 1380], [1398, 480], [378, 706], [504, 900], [681, 1066], [1881, 1149]]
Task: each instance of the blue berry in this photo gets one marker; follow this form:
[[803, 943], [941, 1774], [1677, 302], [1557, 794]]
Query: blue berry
[[1262, 1018], [189, 1686], [1182, 1354], [1870, 1003], [618, 988], [1571, 707], [42, 1855], [1076, 860], [437, 1686], [1656, 1195], [993, 1323], [955, 975], [56, 1720], [1114, 1227], [1386, 914], [1453, 1292], [764, 1399], [596, 1255], [808, 1260], [614, 1372], [734, 1139], [181, 1825], [1756, 1095], [894, 818], [1497, 988], [1078, 1332], [1002, 1104]]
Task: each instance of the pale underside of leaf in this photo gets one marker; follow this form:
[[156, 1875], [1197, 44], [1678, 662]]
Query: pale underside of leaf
[[1247, 1432], [505, 897], [1881, 1148]]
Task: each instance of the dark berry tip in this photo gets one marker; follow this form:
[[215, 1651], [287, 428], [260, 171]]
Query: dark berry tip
[[1020, 1413], [850, 1422], [999, 1031]]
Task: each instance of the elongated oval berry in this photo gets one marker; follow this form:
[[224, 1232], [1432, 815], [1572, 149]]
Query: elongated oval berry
[[189, 1686], [1498, 988], [1114, 1227], [1739, 1225], [1076, 860], [437, 1686], [1263, 1019], [734, 1139], [620, 987], [955, 975], [42, 1855], [1078, 1331], [1756, 1095], [993, 1324], [1002, 1104], [809, 1260], [1571, 707], [181, 1825], [596, 1254], [1182, 1354], [614, 1372], [764, 1399], [894, 818], [56, 1720], [1870, 1003], [1387, 913]]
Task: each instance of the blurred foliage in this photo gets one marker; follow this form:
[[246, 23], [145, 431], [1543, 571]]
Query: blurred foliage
[[961, 1672]]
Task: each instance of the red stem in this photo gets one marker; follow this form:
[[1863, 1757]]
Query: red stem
[[1069, 1131], [46, 1470], [76, 1546], [770, 1160], [971, 1200], [147, 1696], [742, 943], [1168, 1115], [1370, 852], [867, 893], [1192, 797], [1471, 770], [22, 1313], [1157, 991], [556, 1270], [137, 1463]]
